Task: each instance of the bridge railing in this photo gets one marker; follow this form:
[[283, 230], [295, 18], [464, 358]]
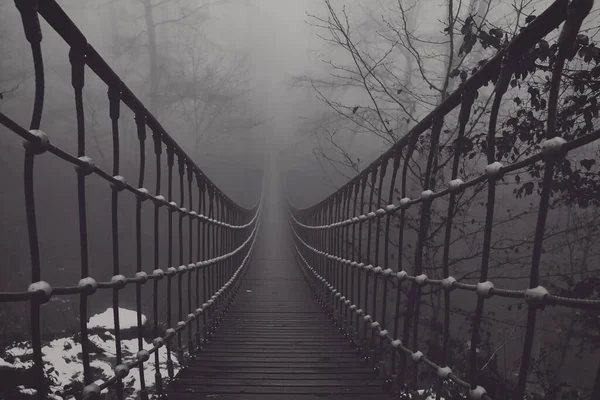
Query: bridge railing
[[346, 253], [201, 278]]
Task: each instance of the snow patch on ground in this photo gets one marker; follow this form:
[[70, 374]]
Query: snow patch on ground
[[61, 354], [127, 319], [26, 391], [16, 364], [20, 349], [63, 364], [431, 394]]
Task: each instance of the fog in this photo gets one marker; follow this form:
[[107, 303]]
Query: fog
[[244, 84]]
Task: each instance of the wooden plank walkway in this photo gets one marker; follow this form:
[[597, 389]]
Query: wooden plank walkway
[[276, 342]]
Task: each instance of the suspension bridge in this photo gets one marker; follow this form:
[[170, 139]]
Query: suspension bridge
[[275, 301]]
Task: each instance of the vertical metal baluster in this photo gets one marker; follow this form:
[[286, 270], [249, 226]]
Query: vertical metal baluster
[[157, 138], [336, 252], [199, 185], [347, 267], [114, 97], [324, 260], [77, 60], [211, 267], [218, 251], [386, 260], [363, 184], [339, 253], [321, 246], [314, 235], [216, 265], [382, 170], [365, 340], [205, 255], [171, 269], [395, 166], [326, 249], [36, 340], [190, 178], [330, 263], [317, 241], [224, 250], [332, 251], [355, 255], [180, 350], [334, 242], [229, 219], [424, 221], [465, 111], [412, 141], [140, 120], [33, 34], [500, 89], [211, 254], [235, 219]]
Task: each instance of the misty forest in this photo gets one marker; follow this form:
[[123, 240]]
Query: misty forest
[[428, 170]]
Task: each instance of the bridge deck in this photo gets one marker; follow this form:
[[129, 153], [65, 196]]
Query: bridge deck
[[276, 342]]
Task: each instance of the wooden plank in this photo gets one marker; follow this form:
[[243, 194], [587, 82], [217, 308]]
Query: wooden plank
[[243, 396], [279, 339], [283, 390], [231, 347], [278, 352], [260, 358], [309, 325], [273, 374], [322, 366], [302, 344], [271, 382], [268, 370]]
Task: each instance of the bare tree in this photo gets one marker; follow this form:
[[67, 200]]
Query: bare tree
[[189, 83], [11, 75]]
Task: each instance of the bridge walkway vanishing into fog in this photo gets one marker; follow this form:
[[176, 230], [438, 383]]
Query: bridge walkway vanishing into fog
[[276, 341], [275, 301]]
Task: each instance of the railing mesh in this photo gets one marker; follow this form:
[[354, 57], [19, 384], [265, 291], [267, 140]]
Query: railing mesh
[[203, 273], [344, 242]]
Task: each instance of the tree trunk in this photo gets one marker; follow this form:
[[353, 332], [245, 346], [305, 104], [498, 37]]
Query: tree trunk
[[153, 56]]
